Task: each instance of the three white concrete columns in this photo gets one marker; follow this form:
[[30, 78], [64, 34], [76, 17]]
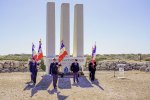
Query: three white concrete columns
[[78, 44]]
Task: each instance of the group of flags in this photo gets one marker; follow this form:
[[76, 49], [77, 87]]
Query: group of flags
[[63, 53], [37, 56]]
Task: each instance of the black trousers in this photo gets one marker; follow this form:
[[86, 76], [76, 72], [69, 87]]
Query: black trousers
[[92, 75], [34, 77], [31, 77], [55, 78], [75, 76]]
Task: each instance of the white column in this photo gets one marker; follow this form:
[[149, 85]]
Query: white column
[[50, 30], [65, 26], [78, 31]]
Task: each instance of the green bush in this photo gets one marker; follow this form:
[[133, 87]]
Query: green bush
[[43, 67], [100, 59], [16, 57]]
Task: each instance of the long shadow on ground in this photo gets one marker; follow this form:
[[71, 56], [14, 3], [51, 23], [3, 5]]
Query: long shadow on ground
[[59, 97], [28, 86], [64, 83], [84, 83], [42, 85], [96, 82]]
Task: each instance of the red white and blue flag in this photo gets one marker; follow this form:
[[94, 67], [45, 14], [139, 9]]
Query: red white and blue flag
[[63, 52], [34, 55], [93, 54], [40, 53]]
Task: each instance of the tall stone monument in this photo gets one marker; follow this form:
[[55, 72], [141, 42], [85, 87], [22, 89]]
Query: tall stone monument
[[78, 42], [65, 26], [78, 31], [50, 30]]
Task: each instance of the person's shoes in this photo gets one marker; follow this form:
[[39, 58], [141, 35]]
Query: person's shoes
[[29, 82], [92, 81]]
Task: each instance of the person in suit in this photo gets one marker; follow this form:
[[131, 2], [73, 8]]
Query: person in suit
[[54, 72], [75, 69], [92, 69], [30, 69], [33, 70]]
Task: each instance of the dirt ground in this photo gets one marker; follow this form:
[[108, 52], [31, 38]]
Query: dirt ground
[[135, 86]]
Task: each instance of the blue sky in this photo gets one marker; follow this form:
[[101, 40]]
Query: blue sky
[[117, 26]]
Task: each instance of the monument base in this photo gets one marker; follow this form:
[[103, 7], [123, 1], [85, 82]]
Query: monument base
[[66, 63]]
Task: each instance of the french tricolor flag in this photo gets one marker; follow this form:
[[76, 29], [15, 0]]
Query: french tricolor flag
[[93, 54], [40, 53], [34, 55], [63, 52]]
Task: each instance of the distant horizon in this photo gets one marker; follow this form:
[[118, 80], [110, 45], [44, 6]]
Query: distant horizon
[[84, 54]]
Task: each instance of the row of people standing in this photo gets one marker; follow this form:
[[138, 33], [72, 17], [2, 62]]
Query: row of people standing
[[74, 68], [54, 66]]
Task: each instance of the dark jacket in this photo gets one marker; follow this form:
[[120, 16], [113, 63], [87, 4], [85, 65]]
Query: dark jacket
[[91, 68], [75, 67], [33, 67], [30, 66], [53, 68]]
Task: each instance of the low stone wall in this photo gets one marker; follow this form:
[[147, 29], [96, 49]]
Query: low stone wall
[[22, 66], [112, 65], [14, 66]]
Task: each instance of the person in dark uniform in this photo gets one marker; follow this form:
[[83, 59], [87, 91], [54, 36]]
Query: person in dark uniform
[[54, 72], [33, 70], [92, 69], [30, 68], [75, 69]]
